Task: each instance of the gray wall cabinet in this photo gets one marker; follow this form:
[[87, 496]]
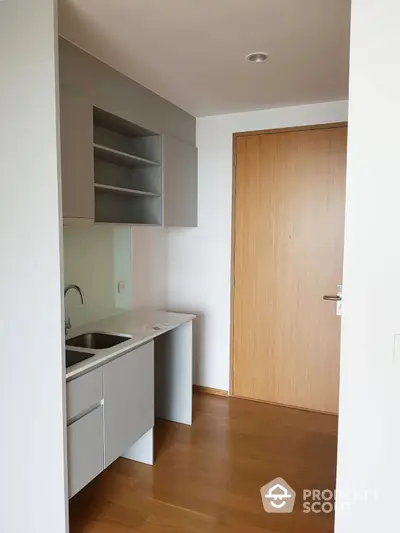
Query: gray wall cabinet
[[180, 182], [77, 168], [111, 91], [128, 400], [111, 132]]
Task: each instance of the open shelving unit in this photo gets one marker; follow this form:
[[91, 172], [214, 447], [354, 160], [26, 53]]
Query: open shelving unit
[[127, 171]]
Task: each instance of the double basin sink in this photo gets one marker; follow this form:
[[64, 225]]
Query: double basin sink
[[90, 341]]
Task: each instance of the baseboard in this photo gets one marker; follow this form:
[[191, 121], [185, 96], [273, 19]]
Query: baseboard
[[210, 390], [284, 406]]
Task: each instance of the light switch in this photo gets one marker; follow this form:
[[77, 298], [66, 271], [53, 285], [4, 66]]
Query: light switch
[[121, 287], [396, 349]]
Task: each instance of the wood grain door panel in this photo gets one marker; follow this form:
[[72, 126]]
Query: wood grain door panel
[[288, 233]]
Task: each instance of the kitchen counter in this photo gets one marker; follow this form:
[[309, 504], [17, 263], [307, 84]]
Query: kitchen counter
[[142, 325], [114, 396]]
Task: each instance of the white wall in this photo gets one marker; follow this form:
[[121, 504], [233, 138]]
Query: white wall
[[32, 458], [149, 256], [200, 259], [369, 413], [96, 258]]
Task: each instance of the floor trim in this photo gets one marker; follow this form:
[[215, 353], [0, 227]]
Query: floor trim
[[210, 390], [306, 409]]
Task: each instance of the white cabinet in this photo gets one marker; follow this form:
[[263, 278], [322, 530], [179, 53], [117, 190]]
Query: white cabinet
[[85, 450], [84, 393], [85, 430], [128, 386], [108, 410], [180, 183]]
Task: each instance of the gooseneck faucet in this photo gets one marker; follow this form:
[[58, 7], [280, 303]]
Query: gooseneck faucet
[[76, 288]]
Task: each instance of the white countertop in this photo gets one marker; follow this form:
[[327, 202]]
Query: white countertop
[[142, 325]]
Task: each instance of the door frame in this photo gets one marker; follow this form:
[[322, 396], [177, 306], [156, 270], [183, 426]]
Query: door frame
[[326, 126]]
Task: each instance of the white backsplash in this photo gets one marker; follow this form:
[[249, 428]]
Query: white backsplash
[[96, 259]]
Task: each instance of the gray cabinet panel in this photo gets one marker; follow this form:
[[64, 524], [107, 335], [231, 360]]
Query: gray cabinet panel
[[112, 91], [180, 183], [128, 384], [85, 450], [84, 392], [77, 173]]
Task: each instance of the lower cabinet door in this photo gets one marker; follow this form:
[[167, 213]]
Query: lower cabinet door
[[85, 450], [128, 387]]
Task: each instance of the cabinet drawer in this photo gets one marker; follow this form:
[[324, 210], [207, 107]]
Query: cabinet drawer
[[84, 392], [128, 400], [85, 450]]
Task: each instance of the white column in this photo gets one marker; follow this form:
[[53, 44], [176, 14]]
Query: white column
[[369, 414], [32, 441]]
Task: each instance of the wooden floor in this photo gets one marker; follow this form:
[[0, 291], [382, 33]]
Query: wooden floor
[[207, 477]]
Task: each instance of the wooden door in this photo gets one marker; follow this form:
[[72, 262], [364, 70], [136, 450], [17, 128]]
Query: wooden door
[[288, 253]]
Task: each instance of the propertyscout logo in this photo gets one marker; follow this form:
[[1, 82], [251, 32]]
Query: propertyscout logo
[[278, 497]]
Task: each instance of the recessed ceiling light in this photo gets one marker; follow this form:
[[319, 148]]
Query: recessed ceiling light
[[257, 57]]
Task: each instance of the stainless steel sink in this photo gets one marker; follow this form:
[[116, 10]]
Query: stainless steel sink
[[96, 341], [73, 358]]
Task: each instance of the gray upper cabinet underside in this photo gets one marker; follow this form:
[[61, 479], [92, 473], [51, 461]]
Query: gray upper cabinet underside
[[113, 92]]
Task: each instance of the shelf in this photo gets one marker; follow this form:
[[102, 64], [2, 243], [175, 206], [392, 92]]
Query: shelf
[[126, 192], [130, 224], [122, 158], [125, 171]]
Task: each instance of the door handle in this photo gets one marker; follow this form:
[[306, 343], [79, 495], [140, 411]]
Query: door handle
[[337, 298], [332, 298]]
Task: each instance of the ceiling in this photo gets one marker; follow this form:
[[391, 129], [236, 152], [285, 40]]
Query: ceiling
[[192, 52]]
